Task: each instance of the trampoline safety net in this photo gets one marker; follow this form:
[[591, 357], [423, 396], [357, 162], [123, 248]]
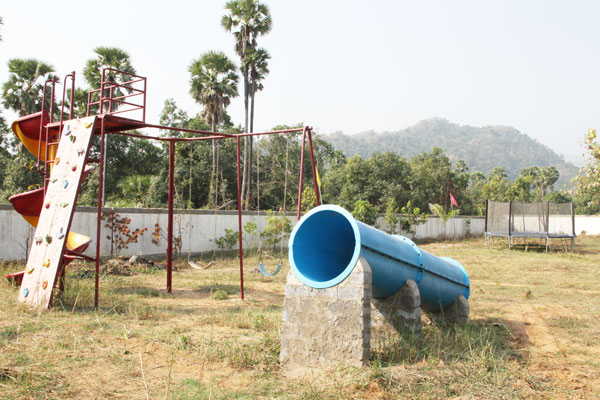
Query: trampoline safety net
[[539, 219]]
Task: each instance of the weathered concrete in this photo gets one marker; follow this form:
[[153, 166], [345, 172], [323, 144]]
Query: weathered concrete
[[341, 324], [458, 312], [400, 312], [325, 327]]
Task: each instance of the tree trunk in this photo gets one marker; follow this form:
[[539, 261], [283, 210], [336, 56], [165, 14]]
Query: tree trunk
[[251, 143], [245, 182]]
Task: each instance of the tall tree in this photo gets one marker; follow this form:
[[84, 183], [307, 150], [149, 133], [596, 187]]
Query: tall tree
[[22, 92], [430, 179], [246, 19], [587, 183], [258, 69], [213, 84]]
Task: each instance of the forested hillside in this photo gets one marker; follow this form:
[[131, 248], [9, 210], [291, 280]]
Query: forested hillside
[[482, 148]]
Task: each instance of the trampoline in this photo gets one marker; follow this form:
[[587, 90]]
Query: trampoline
[[540, 220]]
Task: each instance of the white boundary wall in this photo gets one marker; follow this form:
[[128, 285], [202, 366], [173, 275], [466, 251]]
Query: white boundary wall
[[198, 228]]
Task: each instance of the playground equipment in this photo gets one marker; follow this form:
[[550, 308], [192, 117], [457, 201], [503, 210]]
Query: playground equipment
[[62, 148], [29, 204], [541, 220], [326, 243], [351, 284]]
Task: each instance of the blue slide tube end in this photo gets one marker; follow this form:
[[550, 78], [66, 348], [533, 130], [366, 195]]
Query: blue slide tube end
[[324, 246]]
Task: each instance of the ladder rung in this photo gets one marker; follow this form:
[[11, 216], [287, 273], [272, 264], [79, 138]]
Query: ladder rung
[[92, 160]]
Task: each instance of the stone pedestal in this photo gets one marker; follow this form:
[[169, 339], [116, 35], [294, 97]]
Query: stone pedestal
[[326, 327], [458, 312], [338, 325], [400, 312]]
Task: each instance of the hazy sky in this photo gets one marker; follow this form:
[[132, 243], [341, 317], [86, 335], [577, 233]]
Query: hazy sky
[[351, 65]]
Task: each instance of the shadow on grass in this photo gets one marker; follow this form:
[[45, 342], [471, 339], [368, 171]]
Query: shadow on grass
[[147, 302], [487, 342]]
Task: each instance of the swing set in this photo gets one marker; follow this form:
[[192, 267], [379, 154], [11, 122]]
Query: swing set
[[261, 264], [109, 104], [306, 134]]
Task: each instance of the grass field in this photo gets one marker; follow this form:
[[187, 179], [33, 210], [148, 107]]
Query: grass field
[[534, 333]]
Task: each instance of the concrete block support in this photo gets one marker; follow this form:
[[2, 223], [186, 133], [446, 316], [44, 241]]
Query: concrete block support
[[325, 327], [400, 312], [458, 312], [340, 324]]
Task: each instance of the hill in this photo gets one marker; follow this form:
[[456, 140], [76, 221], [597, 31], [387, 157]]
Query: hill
[[482, 148]]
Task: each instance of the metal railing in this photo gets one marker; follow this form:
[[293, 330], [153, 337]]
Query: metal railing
[[110, 98]]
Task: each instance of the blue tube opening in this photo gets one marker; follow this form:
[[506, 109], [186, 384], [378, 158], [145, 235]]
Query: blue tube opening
[[325, 247]]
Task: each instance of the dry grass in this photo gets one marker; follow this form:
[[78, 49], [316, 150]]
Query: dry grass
[[534, 334]]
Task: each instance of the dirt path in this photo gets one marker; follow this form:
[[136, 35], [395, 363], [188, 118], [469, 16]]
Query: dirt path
[[555, 357]]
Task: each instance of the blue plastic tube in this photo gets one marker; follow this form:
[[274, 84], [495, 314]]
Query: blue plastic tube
[[327, 242]]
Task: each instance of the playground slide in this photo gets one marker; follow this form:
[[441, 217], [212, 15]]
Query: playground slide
[[326, 243], [29, 204]]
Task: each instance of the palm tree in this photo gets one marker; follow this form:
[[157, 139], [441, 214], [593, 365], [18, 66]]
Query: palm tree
[[22, 93], [246, 19], [258, 69], [108, 57], [213, 84], [444, 215]]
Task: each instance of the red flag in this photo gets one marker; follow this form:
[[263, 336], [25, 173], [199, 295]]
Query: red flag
[[453, 200]]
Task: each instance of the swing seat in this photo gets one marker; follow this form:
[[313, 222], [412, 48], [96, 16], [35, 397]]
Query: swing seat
[[261, 265]]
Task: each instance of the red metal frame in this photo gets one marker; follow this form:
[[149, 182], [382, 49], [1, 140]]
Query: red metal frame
[[301, 180], [111, 124], [111, 101], [99, 211], [170, 219], [62, 108], [239, 204]]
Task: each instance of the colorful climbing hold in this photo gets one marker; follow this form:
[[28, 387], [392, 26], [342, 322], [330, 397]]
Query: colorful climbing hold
[[80, 151], [38, 240], [64, 205], [47, 205], [88, 124], [53, 180], [25, 292], [29, 269], [46, 263], [65, 184], [44, 285], [60, 234], [67, 130], [57, 161], [72, 138], [48, 239], [74, 168]]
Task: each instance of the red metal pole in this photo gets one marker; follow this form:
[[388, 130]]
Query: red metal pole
[[314, 168], [62, 106], [72, 95], [301, 178], [52, 101], [239, 201], [144, 108], [99, 213], [170, 226], [39, 154]]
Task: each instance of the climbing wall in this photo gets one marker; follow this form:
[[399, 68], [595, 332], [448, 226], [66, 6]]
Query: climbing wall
[[48, 245]]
